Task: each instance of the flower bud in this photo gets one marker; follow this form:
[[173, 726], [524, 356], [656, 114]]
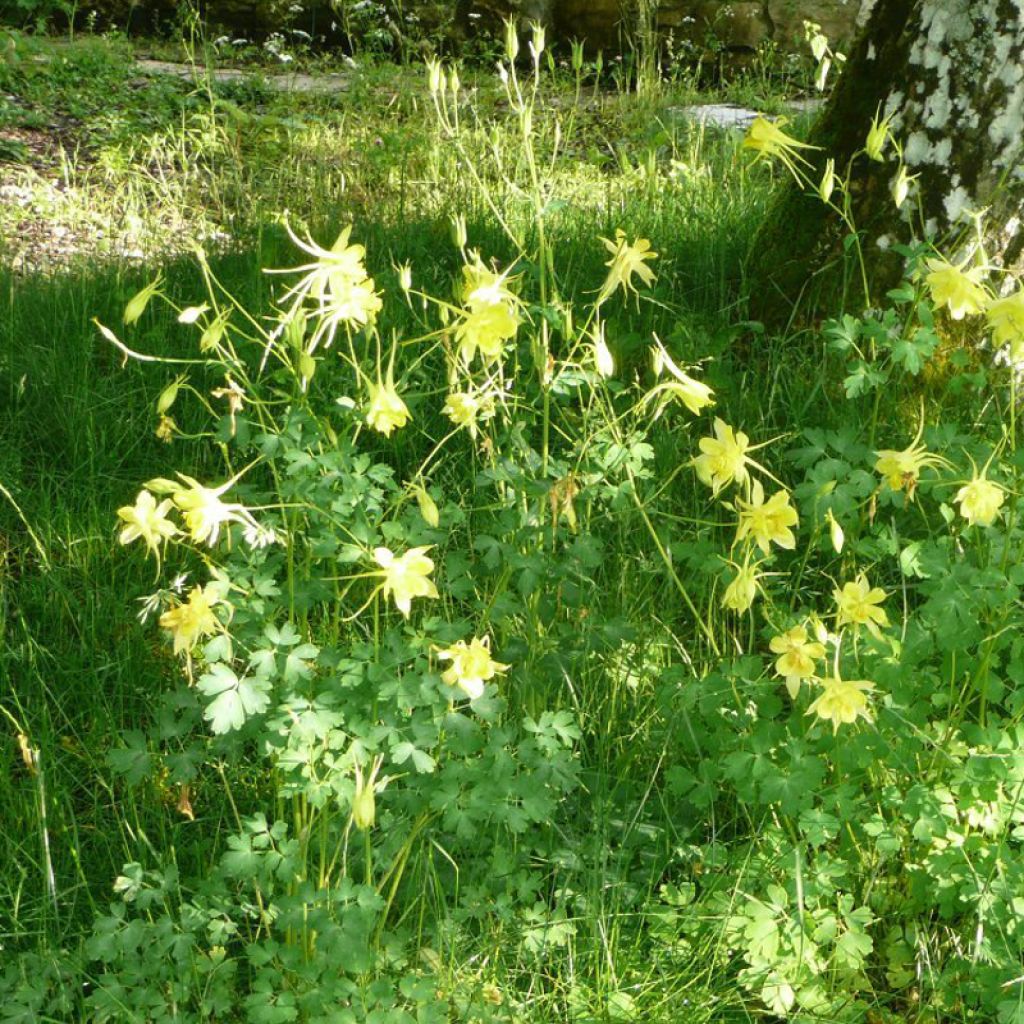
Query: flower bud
[[538, 42], [511, 39], [828, 181], [577, 56], [459, 236], [836, 534], [138, 303], [364, 805], [428, 507], [307, 366], [364, 799], [434, 75], [168, 395], [192, 314], [210, 338], [602, 354]]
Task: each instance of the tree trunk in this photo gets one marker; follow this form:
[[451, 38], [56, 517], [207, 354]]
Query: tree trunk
[[951, 75]]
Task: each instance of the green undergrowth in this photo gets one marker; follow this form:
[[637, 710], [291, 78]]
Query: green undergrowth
[[484, 620]]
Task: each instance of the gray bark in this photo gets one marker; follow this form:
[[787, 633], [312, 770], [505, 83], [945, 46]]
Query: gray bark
[[951, 75]]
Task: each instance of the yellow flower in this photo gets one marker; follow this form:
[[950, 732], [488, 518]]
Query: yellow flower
[[483, 287], [405, 576], [842, 701], [338, 283], [857, 605], [332, 268], [958, 289], [626, 261], [878, 135], [202, 510], [797, 657], [768, 139], [165, 429], [192, 621], [350, 302], [148, 520], [486, 328], [1006, 318], [472, 666], [364, 797], [386, 410], [695, 395], [767, 521], [902, 469], [723, 459], [740, 593], [980, 500], [465, 409]]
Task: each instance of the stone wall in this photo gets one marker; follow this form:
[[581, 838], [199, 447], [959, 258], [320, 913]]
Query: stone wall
[[739, 25]]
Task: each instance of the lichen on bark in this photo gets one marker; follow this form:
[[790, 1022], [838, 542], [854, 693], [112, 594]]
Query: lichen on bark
[[950, 73]]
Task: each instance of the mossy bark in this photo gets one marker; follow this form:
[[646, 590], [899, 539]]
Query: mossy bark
[[950, 73]]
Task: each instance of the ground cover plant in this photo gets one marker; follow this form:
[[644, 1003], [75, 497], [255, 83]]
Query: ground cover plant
[[452, 608]]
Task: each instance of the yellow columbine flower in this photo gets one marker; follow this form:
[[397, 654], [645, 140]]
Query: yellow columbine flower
[[723, 459], [483, 287], [980, 500], [386, 410], [694, 394], [405, 576], [332, 269], [338, 283], [740, 593], [767, 522], [958, 289], [768, 139], [486, 329], [148, 520], [797, 657], [857, 605], [192, 621], [626, 261], [202, 510], [472, 666], [902, 469], [842, 701], [878, 136], [465, 409], [1006, 318]]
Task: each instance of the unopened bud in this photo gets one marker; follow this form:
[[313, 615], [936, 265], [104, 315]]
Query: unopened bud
[[307, 366], [511, 39], [428, 507], [168, 395], [459, 235]]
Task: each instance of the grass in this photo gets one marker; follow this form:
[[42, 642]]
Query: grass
[[606, 926], [80, 673]]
